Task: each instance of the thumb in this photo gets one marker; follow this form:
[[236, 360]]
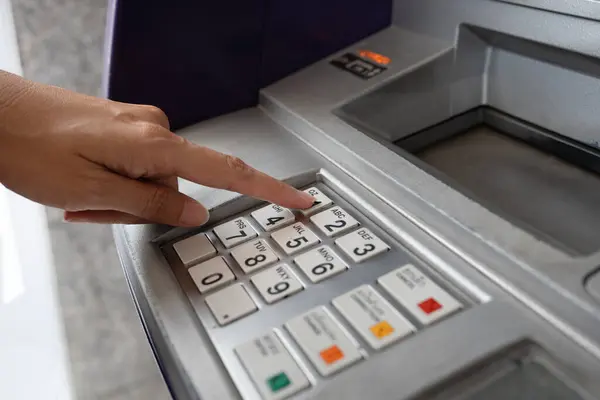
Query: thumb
[[156, 203]]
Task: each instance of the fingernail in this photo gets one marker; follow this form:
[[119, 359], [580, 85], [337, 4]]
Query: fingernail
[[194, 214]]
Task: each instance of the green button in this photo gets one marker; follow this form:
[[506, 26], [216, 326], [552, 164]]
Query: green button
[[278, 382]]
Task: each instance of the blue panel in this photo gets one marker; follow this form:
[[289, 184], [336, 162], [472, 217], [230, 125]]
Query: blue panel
[[299, 35], [195, 59]]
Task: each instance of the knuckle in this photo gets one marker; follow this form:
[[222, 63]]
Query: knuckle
[[237, 164], [156, 203], [155, 112], [150, 130]]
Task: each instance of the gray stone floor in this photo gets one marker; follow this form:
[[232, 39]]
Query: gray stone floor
[[61, 44]]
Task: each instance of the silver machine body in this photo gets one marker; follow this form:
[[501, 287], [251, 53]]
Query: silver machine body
[[474, 150]]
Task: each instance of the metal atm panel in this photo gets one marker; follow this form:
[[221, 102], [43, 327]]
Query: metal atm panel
[[376, 126]]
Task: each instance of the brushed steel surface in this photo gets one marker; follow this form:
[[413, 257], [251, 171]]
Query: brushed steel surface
[[539, 191], [527, 290]]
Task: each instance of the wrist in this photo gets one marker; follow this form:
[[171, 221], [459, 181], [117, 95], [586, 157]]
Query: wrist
[[12, 89]]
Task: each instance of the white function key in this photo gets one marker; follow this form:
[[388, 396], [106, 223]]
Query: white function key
[[230, 304], [254, 255], [295, 238], [321, 201], [361, 245], [328, 347], [211, 274], [194, 249], [320, 264], [419, 294], [273, 216], [373, 317], [235, 232], [276, 283], [271, 367], [334, 221]]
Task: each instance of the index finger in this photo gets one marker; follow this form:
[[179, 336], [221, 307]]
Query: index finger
[[222, 171]]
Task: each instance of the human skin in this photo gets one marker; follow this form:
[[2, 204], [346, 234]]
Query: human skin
[[103, 161]]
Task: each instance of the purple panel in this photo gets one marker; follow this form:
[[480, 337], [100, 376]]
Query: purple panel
[[195, 59]]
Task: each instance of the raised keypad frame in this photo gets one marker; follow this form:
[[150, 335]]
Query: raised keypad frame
[[271, 317]]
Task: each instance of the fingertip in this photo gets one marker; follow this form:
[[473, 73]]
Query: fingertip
[[193, 214], [300, 200]]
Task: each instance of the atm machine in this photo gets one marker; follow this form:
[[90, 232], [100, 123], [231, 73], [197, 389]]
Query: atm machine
[[454, 150]]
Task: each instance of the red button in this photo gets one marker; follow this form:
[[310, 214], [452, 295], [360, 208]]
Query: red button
[[430, 305]]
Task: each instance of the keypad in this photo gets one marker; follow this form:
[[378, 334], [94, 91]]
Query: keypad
[[272, 255]]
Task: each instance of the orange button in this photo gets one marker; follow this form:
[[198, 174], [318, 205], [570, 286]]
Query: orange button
[[331, 354], [382, 329]]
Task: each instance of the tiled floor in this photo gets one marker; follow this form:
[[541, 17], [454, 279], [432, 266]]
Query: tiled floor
[[61, 44]]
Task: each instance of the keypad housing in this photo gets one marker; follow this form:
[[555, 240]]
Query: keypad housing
[[272, 314]]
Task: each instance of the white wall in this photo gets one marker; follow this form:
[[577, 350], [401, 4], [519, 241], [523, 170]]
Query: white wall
[[33, 357]]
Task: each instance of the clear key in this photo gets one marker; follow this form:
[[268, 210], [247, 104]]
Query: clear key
[[295, 238], [235, 232], [334, 221], [361, 245], [324, 341], [254, 255], [373, 317]]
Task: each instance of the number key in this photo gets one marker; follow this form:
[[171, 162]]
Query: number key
[[211, 274], [235, 232], [321, 201], [276, 283], [295, 238], [273, 216], [361, 245], [334, 221], [320, 264], [254, 255]]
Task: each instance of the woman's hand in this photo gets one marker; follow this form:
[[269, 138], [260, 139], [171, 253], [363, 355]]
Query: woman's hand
[[109, 162]]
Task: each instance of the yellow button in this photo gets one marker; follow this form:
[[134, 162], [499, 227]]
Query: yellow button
[[382, 329]]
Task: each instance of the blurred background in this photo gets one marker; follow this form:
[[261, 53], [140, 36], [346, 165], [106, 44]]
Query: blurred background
[[61, 43]]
